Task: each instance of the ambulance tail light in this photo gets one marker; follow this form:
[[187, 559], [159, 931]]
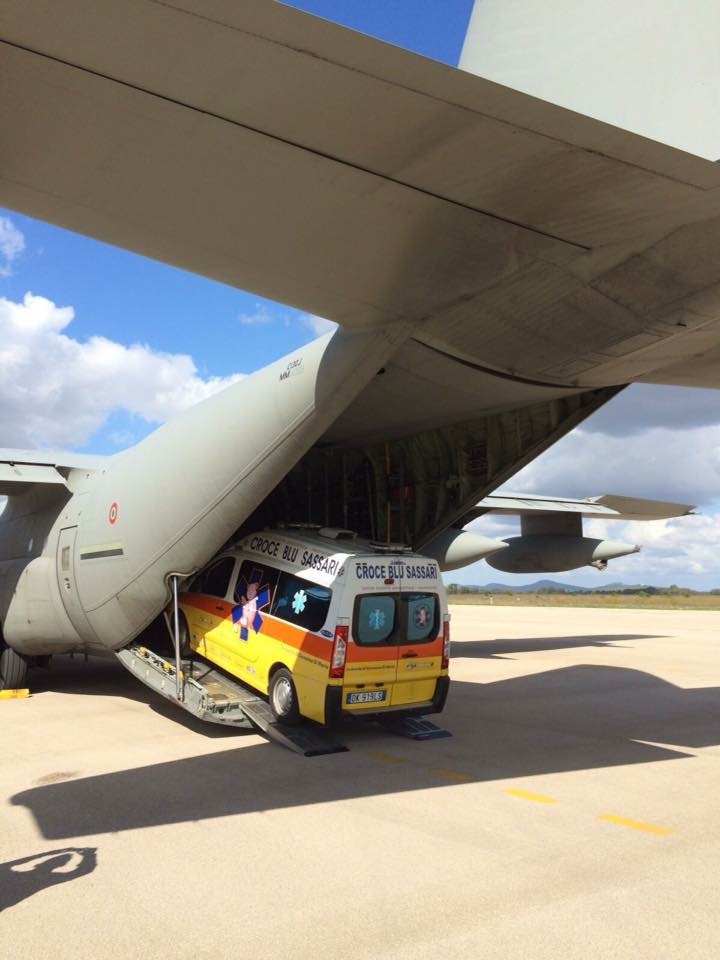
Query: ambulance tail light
[[446, 645], [339, 651]]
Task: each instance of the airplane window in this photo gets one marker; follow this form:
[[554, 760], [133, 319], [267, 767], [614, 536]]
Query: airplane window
[[65, 558], [300, 602], [215, 580]]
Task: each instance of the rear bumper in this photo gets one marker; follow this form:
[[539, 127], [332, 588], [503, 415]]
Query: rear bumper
[[334, 704]]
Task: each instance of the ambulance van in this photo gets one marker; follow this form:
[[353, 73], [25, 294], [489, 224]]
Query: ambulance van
[[324, 624]]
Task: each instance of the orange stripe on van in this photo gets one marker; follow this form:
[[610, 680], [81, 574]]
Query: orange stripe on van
[[272, 627], [358, 653], [308, 642]]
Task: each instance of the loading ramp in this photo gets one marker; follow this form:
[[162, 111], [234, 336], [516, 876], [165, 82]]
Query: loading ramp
[[211, 695]]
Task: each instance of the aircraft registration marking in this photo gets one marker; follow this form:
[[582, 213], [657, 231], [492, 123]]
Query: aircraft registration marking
[[635, 824], [528, 795]]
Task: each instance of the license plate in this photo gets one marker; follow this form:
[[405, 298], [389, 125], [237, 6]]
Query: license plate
[[367, 696]]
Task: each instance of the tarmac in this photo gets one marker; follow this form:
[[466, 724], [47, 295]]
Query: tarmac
[[573, 813]]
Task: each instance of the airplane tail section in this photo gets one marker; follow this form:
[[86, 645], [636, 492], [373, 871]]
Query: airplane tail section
[[602, 60]]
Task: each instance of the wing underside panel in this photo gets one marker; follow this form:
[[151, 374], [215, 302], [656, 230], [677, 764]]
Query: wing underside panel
[[288, 156]]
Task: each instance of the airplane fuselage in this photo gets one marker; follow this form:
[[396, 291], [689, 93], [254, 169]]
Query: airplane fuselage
[[86, 565]]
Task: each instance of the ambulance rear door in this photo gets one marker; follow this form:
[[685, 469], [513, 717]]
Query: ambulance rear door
[[372, 602], [419, 636]]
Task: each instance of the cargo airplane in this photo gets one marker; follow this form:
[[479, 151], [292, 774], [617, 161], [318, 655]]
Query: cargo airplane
[[499, 268]]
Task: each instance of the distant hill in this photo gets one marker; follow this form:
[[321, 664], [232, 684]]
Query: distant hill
[[554, 586], [534, 587]]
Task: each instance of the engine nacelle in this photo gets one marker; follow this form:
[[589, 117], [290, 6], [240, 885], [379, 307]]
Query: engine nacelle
[[548, 553], [457, 548]]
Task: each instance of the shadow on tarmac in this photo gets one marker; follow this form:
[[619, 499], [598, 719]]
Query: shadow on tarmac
[[20, 879], [106, 677], [500, 649], [575, 718]]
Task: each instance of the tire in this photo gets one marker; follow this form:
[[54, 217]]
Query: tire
[[13, 668], [283, 697], [185, 648]]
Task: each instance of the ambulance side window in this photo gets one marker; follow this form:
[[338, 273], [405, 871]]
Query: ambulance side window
[[264, 579], [300, 602], [215, 580]]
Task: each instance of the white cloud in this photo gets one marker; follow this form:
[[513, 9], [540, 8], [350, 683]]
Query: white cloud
[[12, 244], [681, 465], [260, 316], [57, 391], [643, 406], [671, 549], [318, 325]]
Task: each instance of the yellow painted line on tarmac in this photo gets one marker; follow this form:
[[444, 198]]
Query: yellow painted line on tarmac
[[635, 824], [14, 694], [388, 758], [527, 795], [451, 775]]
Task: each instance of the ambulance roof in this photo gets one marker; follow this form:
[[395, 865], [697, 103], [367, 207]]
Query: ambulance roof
[[321, 554]]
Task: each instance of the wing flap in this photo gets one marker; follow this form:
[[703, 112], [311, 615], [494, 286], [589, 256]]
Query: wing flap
[[21, 469], [16, 478], [606, 507]]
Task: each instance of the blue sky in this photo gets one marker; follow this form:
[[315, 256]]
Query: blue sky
[[156, 324]]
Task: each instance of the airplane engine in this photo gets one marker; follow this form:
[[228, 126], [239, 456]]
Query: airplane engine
[[457, 548], [554, 553]]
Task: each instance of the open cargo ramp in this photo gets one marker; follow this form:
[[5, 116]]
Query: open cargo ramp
[[211, 695]]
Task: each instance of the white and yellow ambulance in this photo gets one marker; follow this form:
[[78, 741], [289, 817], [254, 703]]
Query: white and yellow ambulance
[[324, 623]]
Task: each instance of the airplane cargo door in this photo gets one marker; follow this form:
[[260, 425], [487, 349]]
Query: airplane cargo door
[[66, 576]]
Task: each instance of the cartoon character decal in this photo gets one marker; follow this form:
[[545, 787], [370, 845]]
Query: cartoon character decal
[[251, 599], [422, 616]]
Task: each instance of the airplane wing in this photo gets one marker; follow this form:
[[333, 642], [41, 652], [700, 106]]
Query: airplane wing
[[21, 469], [607, 507], [539, 259], [274, 151], [551, 530]]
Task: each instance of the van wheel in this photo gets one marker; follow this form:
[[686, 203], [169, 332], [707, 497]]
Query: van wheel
[[13, 668], [184, 631], [283, 697]]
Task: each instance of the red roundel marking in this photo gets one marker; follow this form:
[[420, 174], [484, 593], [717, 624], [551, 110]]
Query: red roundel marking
[[113, 514]]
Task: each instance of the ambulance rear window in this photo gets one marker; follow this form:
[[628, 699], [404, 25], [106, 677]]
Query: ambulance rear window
[[422, 619], [374, 621], [300, 602], [396, 619]]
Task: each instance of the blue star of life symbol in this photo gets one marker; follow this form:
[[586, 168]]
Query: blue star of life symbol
[[299, 601], [377, 620], [253, 598]]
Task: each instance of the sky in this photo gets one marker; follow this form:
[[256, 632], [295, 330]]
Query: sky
[[98, 346]]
